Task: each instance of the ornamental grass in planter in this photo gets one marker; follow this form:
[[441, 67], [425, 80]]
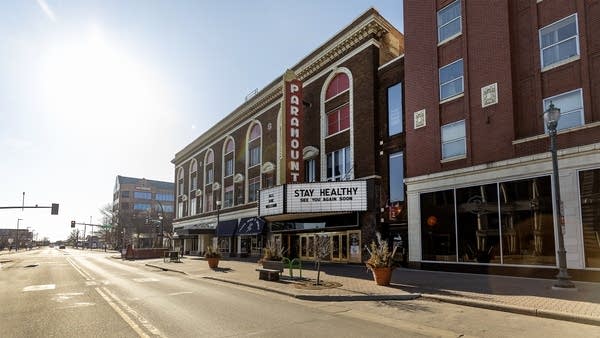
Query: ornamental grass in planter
[[212, 257], [381, 261]]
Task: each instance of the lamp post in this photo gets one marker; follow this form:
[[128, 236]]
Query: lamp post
[[17, 245], [161, 218], [563, 280], [218, 208]]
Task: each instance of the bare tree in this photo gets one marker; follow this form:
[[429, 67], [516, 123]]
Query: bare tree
[[322, 247], [72, 239]]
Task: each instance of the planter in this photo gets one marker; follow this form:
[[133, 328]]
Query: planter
[[382, 275], [213, 263]]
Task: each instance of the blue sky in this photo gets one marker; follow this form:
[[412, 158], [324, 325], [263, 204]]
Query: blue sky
[[94, 89]]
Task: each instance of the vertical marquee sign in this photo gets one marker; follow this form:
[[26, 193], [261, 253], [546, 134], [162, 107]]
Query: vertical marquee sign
[[293, 128]]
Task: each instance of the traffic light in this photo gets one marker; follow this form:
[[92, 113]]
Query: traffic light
[[54, 210], [72, 224]]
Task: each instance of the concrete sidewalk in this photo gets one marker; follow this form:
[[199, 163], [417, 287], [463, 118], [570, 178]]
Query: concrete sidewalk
[[528, 296]]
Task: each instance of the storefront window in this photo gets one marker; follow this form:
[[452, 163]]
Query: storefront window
[[478, 224], [589, 189], [437, 226], [527, 222]]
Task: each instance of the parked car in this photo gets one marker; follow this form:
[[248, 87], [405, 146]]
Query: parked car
[[61, 246]]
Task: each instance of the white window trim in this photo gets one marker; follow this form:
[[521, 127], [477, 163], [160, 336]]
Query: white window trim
[[347, 174], [456, 157], [338, 94], [462, 79], [457, 18], [247, 166], [567, 60], [450, 38], [551, 98], [327, 121]]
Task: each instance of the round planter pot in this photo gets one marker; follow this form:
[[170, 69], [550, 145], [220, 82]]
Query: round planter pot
[[382, 275], [213, 263]]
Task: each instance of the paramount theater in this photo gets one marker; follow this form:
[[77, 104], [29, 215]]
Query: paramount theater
[[318, 151]]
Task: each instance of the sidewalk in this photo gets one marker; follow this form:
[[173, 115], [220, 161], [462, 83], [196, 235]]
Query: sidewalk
[[511, 294]]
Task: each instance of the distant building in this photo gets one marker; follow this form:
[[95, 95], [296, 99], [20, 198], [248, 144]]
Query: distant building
[[479, 75], [9, 237], [139, 207]]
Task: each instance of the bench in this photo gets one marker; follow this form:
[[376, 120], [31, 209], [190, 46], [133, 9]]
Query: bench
[[270, 271], [171, 256]]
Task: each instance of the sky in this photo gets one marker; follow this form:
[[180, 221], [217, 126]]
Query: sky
[[94, 89]]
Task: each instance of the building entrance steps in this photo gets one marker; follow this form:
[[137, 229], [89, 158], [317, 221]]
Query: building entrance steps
[[529, 296]]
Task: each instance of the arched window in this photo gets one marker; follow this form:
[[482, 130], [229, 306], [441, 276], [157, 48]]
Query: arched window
[[180, 181], [339, 84], [193, 186], [228, 158], [209, 175], [254, 158]]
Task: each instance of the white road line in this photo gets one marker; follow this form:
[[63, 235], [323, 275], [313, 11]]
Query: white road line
[[39, 287], [134, 313], [123, 315], [179, 293], [145, 280]]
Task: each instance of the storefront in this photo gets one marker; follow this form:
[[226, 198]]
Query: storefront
[[325, 218], [250, 236], [225, 232], [192, 239]]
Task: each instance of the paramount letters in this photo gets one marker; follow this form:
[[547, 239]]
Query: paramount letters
[[294, 120]]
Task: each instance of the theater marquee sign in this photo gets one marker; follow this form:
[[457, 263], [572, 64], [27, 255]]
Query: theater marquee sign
[[293, 128], [314, 197]]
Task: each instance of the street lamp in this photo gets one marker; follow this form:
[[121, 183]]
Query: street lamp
[[563, 280], [218, 208], [161, 218]]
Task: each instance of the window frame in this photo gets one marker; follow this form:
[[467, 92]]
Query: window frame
[[400, 110], [344, 160], [459, 18], [251, 182], [581, 109], [338, 112], [555, 44], [464, 138], [400, 155], [461, 77]]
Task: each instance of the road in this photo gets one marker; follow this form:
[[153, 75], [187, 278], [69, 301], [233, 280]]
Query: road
[[74, 293]]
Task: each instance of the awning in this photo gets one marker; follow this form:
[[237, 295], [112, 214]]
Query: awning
[[227, 228], [196, 229], [251, 226]]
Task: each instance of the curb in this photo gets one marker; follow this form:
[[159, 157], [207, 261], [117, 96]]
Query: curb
[[165, 269], [549, 314], [323, 298]]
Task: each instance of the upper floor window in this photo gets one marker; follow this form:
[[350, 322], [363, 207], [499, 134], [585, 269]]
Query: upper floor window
[[229, 146], [209, 167], [310, 170], [559, 41], [254, 144], [253, 188], [338, 120], [449, 21], [228, 149], [454, 140], [394, 100], [193, 175], [164, 197], [143, 195], [141, 206], [125, 194], [228, 167], [571, 109], [339, 84], [180, 182], [339, 165], [396, 175], [228, 197], [451, 80]]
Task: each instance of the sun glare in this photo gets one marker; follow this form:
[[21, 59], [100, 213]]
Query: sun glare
[[91, 80]]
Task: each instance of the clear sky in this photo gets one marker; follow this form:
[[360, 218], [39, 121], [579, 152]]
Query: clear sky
[[94, 89]]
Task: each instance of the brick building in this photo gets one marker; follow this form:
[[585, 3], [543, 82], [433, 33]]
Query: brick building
[[141, 208], [478, 182], [304, 156]]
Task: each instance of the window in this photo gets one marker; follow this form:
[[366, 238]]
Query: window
[[164, 197], [451, 80], [253, 187], [229, 146], [168, 208], [228, 167], [454, 140], [338, 165], [141, 206], [142, 195], [449, 21], [339, 84], [394, 100], [125, 194], [310, 170], [559, 41], [180, 209], [193, 175], [192, 206], [209, 176], [338, 119], [396, 175], [209, 172], [228, 200], [571, 109], [180, 182], [254, 156], [254, 132], [208, 200], [589, 190]]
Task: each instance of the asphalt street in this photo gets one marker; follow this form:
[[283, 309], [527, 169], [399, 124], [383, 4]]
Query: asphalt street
[[72, 293]]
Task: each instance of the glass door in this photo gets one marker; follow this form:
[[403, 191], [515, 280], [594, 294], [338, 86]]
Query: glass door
[[339, 247]]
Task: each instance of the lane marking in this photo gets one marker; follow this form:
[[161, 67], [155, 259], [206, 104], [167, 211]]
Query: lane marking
[[123, 315], [135, 314], [180, 293], [145, 280], [39, 287], [80, 270]]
